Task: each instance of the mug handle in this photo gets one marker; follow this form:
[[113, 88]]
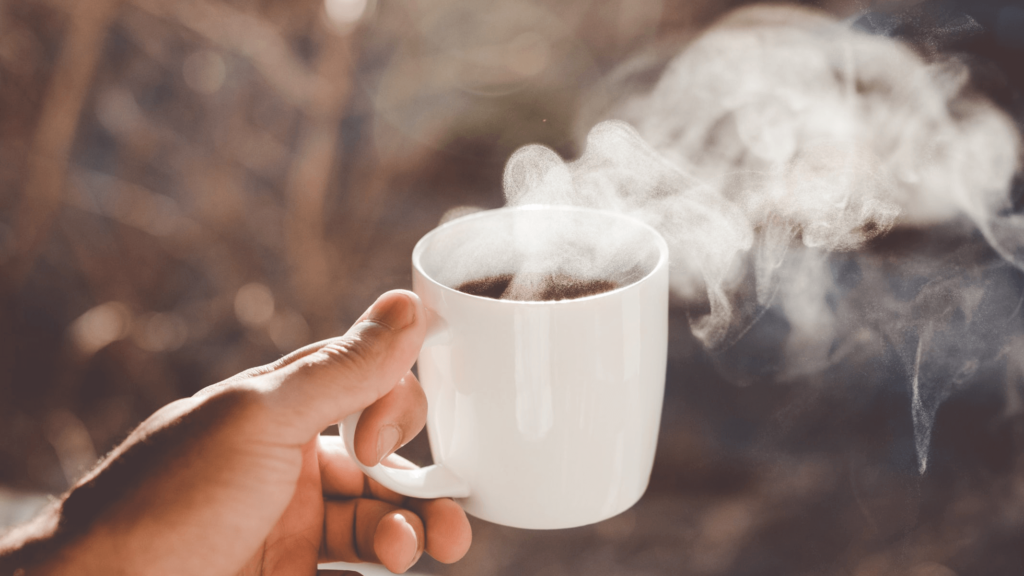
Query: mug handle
[[434, 481]]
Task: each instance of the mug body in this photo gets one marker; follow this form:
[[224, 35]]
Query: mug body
[[549, 410]]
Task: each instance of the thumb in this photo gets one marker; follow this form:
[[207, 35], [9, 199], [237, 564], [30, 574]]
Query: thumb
[[323, 383]]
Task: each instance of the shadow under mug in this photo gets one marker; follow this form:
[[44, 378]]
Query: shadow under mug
[[541, 414]]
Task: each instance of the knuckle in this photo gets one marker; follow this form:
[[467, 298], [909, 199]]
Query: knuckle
[[235, 403], [357, 352], [416, 392]]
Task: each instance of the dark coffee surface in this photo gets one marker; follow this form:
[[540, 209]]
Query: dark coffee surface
[[490, 287], [556, 287]]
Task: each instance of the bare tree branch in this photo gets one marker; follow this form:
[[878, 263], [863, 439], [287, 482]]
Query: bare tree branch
[[248, 36], [307, 182], [44, 183]]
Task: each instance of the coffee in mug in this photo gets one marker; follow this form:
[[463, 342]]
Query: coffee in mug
[[554, 287]]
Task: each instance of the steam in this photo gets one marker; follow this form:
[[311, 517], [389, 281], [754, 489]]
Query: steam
[[781, 139], [620, 172]]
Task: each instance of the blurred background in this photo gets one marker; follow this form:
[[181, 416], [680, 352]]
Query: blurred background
[[192, 187]]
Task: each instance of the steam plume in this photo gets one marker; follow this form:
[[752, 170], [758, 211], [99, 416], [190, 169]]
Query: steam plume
[[780, 138]]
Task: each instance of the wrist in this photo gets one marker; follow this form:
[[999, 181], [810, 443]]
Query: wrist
[[41, 546]]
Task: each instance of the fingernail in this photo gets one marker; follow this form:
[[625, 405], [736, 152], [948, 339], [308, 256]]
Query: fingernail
[[396, 311], [415, 545], [387, 441], [395, 542]]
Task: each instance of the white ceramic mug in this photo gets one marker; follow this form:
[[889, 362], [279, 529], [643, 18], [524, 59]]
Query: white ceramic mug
[[541, 414]]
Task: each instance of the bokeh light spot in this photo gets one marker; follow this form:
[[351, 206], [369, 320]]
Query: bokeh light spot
[[528, 54], [288, 330], [160, 332], [204, 71], [254, 305], [117, 110], [344, 13], [100, 326]]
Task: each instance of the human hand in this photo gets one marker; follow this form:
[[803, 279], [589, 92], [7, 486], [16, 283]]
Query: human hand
[[237, 480]]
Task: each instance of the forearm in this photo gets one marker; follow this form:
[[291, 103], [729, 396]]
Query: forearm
[[57, 539]]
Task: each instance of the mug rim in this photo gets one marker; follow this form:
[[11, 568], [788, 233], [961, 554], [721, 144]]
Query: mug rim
[[662, 245]]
